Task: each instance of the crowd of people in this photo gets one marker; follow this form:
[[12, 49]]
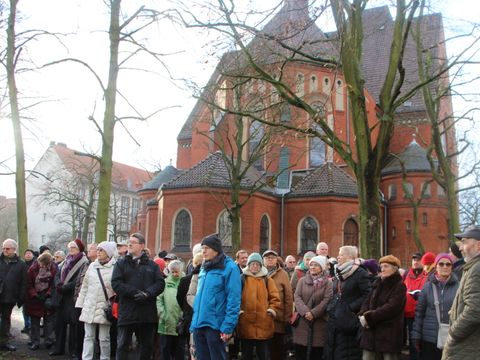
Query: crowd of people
[[102, 300]]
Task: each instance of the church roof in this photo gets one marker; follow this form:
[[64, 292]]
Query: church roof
[[213, 173], [327, 180], [414, 159], [162, 177]]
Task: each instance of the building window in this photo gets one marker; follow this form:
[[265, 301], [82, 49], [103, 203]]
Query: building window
[[339, 96], [313, 84], [124, 212], [300, 85], [392, 192], [317, 150], [89, 237], [440, 191], [426, 190], [424, 219], [408, 191], [350, 233], [44, 216], [408, 226], [111, 237], [224, 226], [264, 234], [135, 205], [394, 232], [255, 140], [182, 229], [285, 113], [44, 239], [308, 234]]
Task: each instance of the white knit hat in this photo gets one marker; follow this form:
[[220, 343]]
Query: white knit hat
[[110, 247], [320, 260]]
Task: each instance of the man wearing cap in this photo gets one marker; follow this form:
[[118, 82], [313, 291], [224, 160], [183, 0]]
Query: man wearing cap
[[414, 280], [122, 248], [137, 282], [284, 312], [464, 332], [458, 261], [217, 302]]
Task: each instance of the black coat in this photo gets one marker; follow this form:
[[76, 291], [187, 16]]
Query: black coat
[[13, 278], [384, 312], [182, 290], [339, 345], [130, 276]]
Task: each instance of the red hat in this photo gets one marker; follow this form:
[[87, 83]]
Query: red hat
[[161, 263], [428, 258], [80, 245]]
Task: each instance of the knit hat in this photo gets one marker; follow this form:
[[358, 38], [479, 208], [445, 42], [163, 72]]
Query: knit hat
[[109, 247], [79, 244], [320, 260], [42, 249], [371, 265], [254, 257], [213, 242], [443, 256], [456, 250], [428, 258], [45, 258], [308, 256], [160, 263], [390, 259]]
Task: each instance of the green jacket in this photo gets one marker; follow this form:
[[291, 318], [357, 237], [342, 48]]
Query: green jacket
[[169, 311], [464, 332]]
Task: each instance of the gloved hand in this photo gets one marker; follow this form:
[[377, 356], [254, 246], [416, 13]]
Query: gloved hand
[[363, 322], [140, 296]]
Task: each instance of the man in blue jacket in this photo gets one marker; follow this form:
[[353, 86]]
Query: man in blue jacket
[[217, 302]]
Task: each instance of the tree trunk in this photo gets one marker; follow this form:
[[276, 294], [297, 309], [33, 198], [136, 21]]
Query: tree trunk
[[22, 227], [236, 240], [105, 180]]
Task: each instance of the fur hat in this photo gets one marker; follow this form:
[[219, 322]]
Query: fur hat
[[390, 259], [254, 257], [428, 258], [213, 242], [109, 247], [45, 258], [320, 260]]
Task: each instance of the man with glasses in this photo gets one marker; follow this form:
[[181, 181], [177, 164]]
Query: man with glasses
[[137, 282], [464, 331], [13, 285]]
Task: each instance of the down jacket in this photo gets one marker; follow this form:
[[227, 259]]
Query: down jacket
[[91, 298], [464, 333], [259, 307], [314, 300], [384, 311], [285, 294], [413, 282], [425, 326], [130, 276]]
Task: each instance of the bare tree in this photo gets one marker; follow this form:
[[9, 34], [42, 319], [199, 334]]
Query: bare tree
[[8, 218]]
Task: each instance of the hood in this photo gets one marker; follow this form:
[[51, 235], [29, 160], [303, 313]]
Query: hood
[[262, 273]]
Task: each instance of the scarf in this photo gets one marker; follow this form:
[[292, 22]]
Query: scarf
[[317, 280], [218, 262], [42, 280], [342, 272], [70, 262]]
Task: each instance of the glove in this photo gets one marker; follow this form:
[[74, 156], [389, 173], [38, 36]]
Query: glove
[[140, 296], [363, 322]]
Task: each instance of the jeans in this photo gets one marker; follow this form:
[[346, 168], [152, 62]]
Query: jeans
[[89, 341], [144, 333], [5, 314], [209, 345]]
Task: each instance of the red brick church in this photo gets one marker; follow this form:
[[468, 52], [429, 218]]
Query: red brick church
[[316, 199]]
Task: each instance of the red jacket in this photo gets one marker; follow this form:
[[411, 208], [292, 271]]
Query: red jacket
[[413, 283]]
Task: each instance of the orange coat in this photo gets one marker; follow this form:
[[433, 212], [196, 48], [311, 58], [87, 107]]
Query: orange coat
[[260, 304], [285, 294]]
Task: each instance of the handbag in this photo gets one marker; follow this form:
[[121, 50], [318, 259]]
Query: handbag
[[442, 328], [109, 309]]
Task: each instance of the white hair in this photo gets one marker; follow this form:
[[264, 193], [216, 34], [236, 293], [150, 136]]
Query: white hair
[[349, 250], [175, 265], [10, 242]]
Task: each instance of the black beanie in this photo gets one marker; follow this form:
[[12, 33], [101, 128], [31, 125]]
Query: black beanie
[[42, 249], [213, 242], [455, 250]]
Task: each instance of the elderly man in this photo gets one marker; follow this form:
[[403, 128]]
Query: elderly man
[[92, 252], [13, 285], [290, 263], [122, 248], [464, 332]]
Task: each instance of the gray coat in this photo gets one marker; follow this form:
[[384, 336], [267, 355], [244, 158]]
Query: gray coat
[[464, 333], [425, 326]]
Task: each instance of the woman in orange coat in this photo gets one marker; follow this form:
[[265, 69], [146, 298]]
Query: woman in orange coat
[[260, 304]]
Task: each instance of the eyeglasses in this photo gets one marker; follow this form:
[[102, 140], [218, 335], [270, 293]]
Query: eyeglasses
[[442, 264], [7, 248], [133, 243]]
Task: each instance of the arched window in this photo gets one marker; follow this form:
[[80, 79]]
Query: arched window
[[264, 234], [350, 233], [300, 85], [285, 113], [408, 191], [313, 83], [392, 192], [308, 234], [255, 138], [224, 226], [182, 234]]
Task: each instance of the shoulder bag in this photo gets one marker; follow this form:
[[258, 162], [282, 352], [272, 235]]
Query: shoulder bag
[[442, 328], [109, 309]]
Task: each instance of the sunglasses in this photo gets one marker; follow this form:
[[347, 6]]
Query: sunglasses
[[442, 264]]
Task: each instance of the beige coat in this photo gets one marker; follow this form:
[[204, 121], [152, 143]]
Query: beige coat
[[91, 298], [464, 333]]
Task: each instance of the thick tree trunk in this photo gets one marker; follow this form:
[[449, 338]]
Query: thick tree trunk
[[105, 180]]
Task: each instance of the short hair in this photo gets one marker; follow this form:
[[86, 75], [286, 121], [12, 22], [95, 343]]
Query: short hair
[[162, 254], [290, 257], [11, 243], [60, 253], [239, 252], [139, 237], [321, 243], [175, 265], [89, 246], [349, 250]]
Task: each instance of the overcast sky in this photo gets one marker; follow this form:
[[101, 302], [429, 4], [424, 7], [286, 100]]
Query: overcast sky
[[70, 94]]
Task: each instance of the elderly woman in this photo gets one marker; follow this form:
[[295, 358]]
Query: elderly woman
[[259, 307], [426, 324], [301, 269], [172, 346], [382, 313], [40, 278], [352, 285], [280, 276], [93, 302], [312, 295], [65, 281]]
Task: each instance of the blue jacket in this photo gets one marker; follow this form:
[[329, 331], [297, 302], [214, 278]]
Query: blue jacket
[[217, 302]]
